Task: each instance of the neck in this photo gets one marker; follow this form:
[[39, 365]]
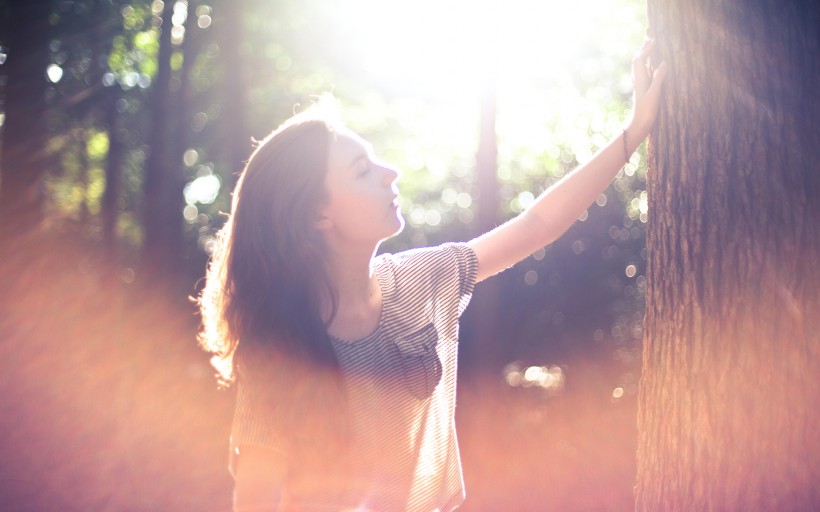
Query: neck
[[352, 276], [358, 294]]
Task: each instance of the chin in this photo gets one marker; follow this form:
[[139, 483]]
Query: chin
[[398, 229], [400, 218]]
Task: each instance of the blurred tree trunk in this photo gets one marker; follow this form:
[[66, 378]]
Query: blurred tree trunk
[[162, 206], [109, 117], [728, 414], [110, 207], [24, 156], [482, 319], [82, 136], [234, 85]]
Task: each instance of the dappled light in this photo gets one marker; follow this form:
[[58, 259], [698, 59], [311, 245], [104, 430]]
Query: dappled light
[[54, 73], [148, 111], [548, 378], [203, 189]]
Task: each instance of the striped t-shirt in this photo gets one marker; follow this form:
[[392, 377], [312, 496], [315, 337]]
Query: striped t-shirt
[[401, 381]]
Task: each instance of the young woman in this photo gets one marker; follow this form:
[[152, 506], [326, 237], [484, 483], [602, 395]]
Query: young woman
[[345, 362]]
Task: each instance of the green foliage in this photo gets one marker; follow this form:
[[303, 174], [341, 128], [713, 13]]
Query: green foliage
[[584, 295], [135, 53], [176, 61], [97, 146], [94, 189], [134, 16], [552, 115], [146, 47]]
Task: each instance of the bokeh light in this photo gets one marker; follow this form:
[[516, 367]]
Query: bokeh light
[[203, 189], [54, 73], [547, 378], [410, 77]]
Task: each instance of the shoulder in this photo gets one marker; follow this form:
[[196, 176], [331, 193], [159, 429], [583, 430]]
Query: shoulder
[[442, 273], [440, 258]]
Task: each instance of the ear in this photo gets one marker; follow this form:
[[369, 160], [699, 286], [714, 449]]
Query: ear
[[323, 224]]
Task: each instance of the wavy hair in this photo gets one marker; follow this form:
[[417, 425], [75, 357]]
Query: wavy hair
[[267, 278]]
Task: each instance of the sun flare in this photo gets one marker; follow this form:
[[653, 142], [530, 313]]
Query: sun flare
[[441, 47]]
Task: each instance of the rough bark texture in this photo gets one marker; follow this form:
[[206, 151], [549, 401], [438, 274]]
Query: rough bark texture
[[728, 412]]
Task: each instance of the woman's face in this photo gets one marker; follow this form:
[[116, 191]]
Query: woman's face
[[361, 194]]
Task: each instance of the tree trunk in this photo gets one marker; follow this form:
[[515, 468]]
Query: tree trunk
[[109, 118], [110, 208], [24, 156], [484, 352], [230, 18], [728, 407], [162, 209]]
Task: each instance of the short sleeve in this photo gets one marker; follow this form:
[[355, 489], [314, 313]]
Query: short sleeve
[[444, 275], [467, 270]]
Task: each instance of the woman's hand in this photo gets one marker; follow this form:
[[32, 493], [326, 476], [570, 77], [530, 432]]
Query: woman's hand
[[556, 209], [646, 95]]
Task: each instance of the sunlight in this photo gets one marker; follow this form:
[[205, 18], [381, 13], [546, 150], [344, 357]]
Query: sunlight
[[559, 72], [203, 189], [451, 46], [54, 73], [550, 378]]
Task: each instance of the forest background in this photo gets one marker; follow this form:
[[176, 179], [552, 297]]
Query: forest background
[[124, 124]]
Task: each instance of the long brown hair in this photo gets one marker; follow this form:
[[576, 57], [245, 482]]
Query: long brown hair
[[260, 306]]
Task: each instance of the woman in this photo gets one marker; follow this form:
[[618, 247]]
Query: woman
[[345, 362]]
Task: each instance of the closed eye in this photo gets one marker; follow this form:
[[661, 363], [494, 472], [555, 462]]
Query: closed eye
[[364, 168]]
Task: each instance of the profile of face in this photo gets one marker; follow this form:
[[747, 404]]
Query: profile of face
[[361, 194]]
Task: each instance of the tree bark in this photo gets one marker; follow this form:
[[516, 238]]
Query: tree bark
[[24, 155], [728, 414]]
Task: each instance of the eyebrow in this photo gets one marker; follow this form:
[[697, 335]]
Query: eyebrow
[[365, 155], [358, 158]]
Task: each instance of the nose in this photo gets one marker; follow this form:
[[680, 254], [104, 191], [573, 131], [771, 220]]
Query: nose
[[390, 175]]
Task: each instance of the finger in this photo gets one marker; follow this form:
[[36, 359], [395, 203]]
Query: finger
[[646, 48], [658, 78], [640, 74], [660, 74], [646, 42]]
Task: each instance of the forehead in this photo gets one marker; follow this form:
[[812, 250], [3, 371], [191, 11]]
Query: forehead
[[346, 147]]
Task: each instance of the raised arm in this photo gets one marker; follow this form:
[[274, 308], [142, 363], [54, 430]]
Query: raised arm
[[559, 206]]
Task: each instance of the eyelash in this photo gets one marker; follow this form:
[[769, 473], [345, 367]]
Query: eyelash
[[367, 169]]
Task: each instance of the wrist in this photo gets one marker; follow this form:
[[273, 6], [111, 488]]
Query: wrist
[[633, 136]]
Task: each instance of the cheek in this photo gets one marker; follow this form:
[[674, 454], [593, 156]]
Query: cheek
[[333, 201], [343, 212]]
